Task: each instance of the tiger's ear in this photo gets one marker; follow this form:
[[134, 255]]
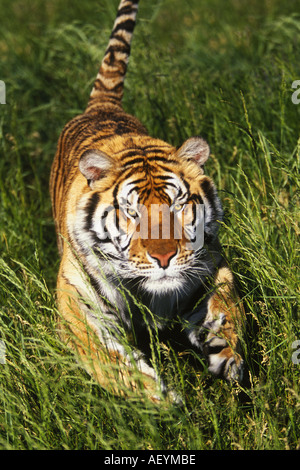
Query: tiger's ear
[[94, 163], [195, 148]]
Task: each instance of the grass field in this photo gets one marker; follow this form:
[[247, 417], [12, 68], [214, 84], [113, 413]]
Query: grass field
[[220, 69]]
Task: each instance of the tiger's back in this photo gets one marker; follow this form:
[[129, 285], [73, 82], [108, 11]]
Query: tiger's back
[[112, 186], [93, 129]]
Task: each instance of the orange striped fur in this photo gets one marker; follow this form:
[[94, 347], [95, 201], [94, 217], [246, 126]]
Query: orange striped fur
[[109, 178]]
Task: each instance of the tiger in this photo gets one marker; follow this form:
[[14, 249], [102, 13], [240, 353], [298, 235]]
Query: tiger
[[137, 223]]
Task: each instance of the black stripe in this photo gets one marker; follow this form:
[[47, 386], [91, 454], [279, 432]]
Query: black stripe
[[90, 208], [173, 185], [56, 174], [165, 178], [162, 159], [127, 10], [115, 192], [135, 187], [121, 39], [99, 241], [186, 184], [197, 198], [130, 153], [165, 169], [194, 214], [95, 139], [140, 180], [209, 192], [154, 150], [117, 48], [132, 171], [148, 147], [107, 210], [125, 247], [99, 85], [145, 192], [127, 25], [134, 161]]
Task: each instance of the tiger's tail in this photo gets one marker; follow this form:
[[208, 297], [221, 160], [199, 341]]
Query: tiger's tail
[[109, 83]]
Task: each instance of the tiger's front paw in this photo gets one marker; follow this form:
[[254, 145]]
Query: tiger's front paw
[[222, 360]]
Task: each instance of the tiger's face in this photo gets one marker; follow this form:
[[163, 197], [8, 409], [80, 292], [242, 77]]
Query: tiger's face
[[148, 213]]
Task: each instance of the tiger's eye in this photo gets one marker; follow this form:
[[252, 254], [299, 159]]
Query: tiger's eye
[[178, 207], [132, 212]]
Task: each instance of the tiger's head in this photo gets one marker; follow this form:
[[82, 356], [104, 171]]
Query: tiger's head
[[148, 212]]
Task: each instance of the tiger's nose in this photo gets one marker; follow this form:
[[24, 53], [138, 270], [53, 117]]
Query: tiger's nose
[[163, 259]]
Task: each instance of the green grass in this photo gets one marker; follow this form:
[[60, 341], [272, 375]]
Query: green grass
[[220, 69]]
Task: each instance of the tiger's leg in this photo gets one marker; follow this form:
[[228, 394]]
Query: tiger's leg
[[218, 336], [106, 361], [222, 322]]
